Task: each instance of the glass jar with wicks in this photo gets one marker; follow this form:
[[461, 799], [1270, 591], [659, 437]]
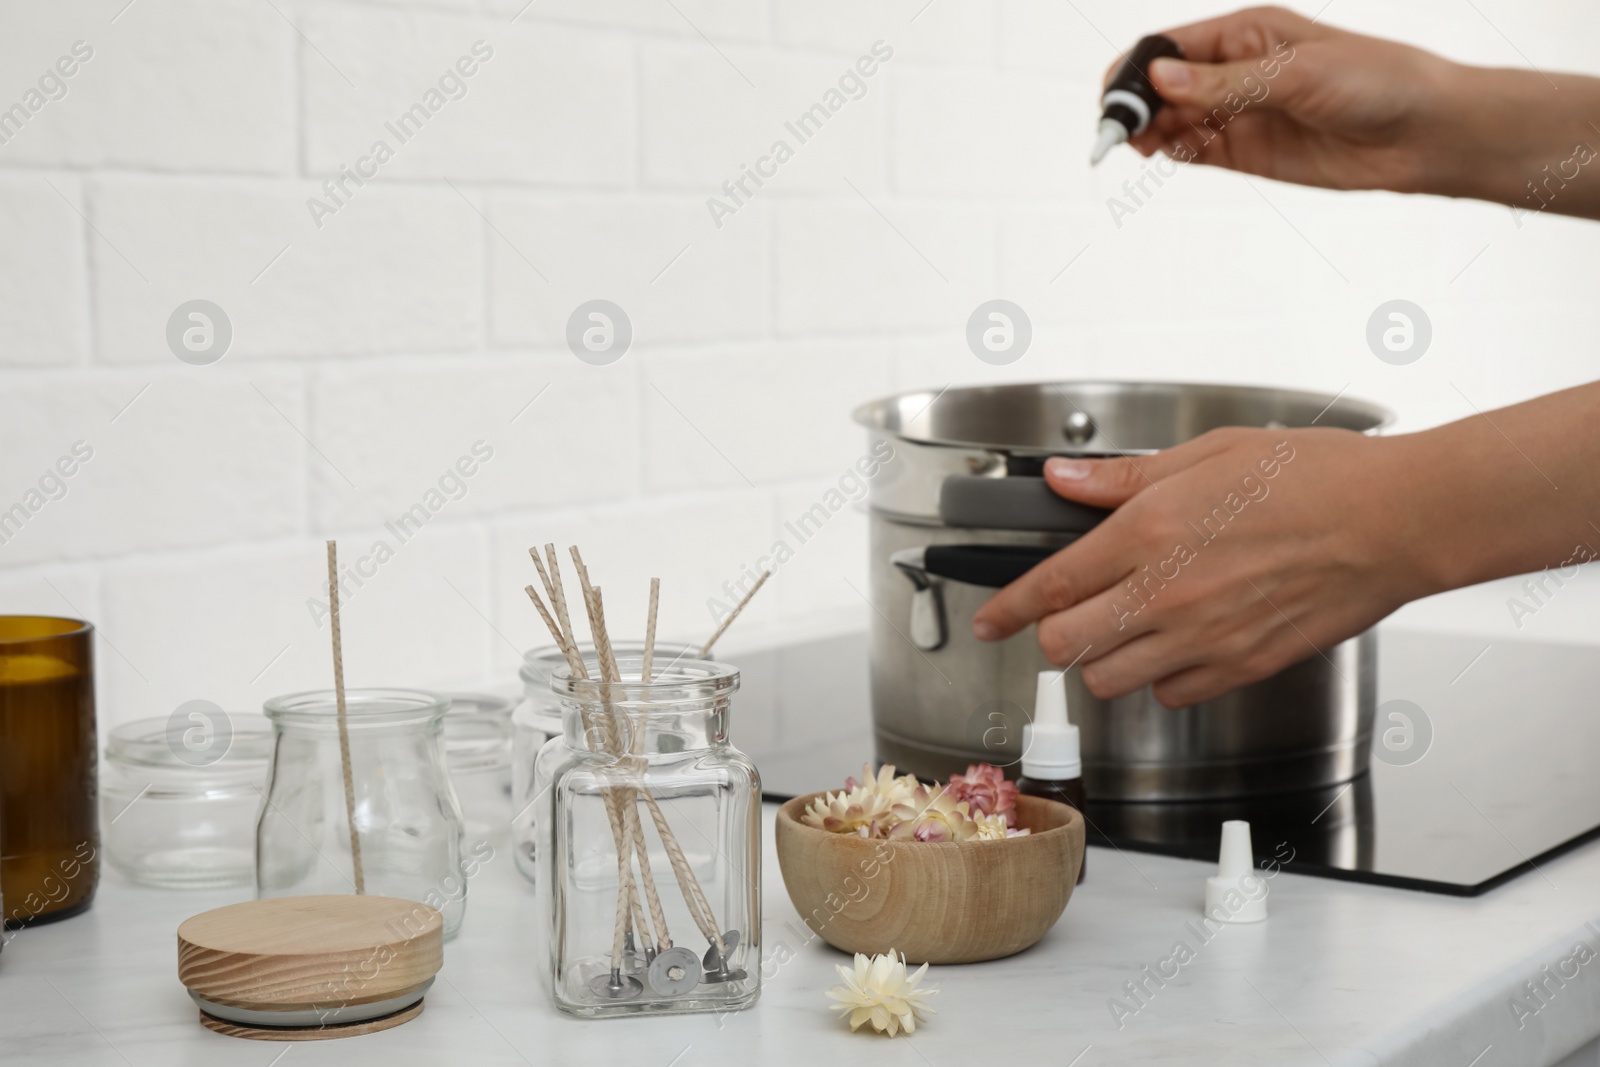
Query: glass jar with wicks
[[408, 821], [538, 719], [674, 926]]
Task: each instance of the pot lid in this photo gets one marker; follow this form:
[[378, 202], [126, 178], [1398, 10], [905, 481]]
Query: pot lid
[[1104, 417]]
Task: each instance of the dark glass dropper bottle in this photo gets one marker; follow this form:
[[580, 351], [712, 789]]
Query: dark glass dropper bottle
[[1052, 765], [1130, 101]]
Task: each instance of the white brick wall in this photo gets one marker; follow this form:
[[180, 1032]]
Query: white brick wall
[[43, 281], [550, 106], [423, 315], [700, 120], [181, 86], [653, 254], [398, 269]]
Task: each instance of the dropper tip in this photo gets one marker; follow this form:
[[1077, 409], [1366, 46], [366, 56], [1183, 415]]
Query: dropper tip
[[1050, 700], [1112, 133]]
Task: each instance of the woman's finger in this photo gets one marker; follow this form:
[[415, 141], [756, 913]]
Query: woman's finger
[[1110, 483], [1088, 565], [1221, 91], [1138, 663], [1209, 680], [1246, 144], [1097, 627], [1245, 34]]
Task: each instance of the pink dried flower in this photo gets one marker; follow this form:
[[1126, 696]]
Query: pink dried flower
[[985, 789], [933, 815]]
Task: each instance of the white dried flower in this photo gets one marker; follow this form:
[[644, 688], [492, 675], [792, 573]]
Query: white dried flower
[[878, 990], [864, 808], [991, 828], [884, 786], [855, 811]]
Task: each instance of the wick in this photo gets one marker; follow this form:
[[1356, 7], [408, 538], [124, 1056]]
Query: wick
[[344, 722], [705, 649], [646, 669]]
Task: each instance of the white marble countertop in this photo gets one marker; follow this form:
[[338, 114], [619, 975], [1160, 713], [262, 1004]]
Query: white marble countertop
[[1340, 974]]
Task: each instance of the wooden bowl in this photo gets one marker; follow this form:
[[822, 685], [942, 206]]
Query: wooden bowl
[[936, 902]]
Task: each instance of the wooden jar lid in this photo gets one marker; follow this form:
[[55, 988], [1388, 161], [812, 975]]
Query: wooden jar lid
[[328, 955]]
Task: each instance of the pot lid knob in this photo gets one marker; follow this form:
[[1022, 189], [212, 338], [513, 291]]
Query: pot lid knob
[[1079, 429]]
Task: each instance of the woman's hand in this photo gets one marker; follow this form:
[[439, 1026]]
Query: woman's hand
[[1266, 91], [1240, 552], [1270, 92], [1227, 559]]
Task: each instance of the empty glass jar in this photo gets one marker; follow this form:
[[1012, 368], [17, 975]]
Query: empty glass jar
[[673, 926], [407, 819], [538, 719], [477, 748], [180, 814]]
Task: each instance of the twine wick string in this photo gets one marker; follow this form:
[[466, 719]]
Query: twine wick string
[[343, 718], [727, 620], [657, 913]]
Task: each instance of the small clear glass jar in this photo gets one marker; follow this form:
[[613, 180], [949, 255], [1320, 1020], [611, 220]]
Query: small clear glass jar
[[651, 763], [538, 719], [180, 816], [477, 749], [407, 817]]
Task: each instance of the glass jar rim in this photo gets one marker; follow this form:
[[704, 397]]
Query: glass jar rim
[[550, 657], [68, 628], [149, 742], [683, 681], [487, 706], [372, 706], [477, 731]]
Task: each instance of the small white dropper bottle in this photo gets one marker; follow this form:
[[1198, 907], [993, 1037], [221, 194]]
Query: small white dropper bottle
[[1052, 763]]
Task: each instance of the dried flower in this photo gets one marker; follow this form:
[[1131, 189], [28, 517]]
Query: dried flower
[[993, 828], [932, 815], [985, 788], [878, 990], [849, 812], [884, 784], [979, 805], [863, 808]]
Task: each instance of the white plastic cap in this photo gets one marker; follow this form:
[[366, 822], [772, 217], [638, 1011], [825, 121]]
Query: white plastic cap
[[1236, 893], [1050, 750], [1110, 134]]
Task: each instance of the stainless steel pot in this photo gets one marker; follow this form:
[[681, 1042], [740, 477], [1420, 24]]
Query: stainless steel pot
[[961, 508]]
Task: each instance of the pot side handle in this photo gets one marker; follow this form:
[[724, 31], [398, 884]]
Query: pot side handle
[[1012, 503], [992, 566]]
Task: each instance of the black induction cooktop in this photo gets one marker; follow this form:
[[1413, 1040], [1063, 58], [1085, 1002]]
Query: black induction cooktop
[[1483, 768]]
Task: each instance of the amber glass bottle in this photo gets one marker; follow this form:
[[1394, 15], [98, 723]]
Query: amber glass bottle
[[49, 831], [1069, 792]]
